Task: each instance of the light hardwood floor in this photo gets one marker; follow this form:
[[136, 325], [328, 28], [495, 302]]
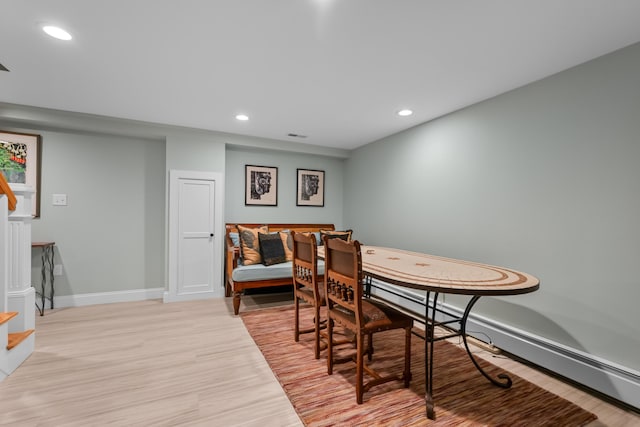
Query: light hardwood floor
[[144, 364], [189, 363]]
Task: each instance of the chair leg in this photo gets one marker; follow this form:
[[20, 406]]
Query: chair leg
[[407, 357], [359, 368], [329, 345], [370, 347], [296, 323], [316, 320]]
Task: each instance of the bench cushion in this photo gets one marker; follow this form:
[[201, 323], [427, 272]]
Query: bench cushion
[[248, 273]]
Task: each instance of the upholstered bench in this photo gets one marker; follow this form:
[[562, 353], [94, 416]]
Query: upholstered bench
[[243, 271]]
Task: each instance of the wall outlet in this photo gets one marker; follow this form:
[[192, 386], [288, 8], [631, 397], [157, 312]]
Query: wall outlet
[[57, 270]]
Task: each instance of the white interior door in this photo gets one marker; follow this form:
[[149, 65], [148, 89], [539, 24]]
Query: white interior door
[[195, 228], [195, 236]]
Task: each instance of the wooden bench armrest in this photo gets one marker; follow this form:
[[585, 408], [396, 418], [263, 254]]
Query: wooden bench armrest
[[232, 255]]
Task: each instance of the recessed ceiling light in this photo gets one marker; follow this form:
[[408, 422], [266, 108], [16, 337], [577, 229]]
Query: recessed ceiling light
[[405, 112], [56, 32], [242, 117]]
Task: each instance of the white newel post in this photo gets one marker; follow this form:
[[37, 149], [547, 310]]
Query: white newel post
[[21, 296], [4, 249]]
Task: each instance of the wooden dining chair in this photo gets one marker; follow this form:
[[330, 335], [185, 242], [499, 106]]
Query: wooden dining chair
[[307, 286], [346, 306]]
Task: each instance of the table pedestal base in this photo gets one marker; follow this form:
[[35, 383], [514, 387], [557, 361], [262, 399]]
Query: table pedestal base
[[430, 339]]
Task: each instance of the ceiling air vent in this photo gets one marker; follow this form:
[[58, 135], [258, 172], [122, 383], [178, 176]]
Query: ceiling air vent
[[3, 68], [296, 135]]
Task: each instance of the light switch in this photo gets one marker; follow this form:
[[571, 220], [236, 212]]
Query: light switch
[[59, 200]]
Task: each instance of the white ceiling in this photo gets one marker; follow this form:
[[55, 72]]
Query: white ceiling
[[334, 70]]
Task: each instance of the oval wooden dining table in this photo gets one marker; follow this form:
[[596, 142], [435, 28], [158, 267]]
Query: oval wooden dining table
[[439, 275]]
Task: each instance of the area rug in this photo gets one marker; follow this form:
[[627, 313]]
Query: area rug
[[463, 397]]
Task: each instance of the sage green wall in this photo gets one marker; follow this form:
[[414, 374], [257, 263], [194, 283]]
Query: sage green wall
[[195, 151], [286, 211], [543, 179], [110, 236]]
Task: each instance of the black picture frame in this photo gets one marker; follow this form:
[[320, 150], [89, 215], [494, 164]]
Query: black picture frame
[[261, 185], [310, 188]]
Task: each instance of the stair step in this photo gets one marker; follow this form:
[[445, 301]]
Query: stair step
[[5, 317], [16, 338]]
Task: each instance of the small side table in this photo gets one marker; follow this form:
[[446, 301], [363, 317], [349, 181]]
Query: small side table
[[47, 264]]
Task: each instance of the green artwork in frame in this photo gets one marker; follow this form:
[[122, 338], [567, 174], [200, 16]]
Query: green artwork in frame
[[20, 162]]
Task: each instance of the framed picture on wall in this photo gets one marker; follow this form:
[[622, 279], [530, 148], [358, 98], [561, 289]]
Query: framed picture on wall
[[261, 186], [20, 162], [310, 188]]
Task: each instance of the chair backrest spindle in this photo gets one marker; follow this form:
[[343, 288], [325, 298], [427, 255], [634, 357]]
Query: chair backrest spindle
[[343, 273]]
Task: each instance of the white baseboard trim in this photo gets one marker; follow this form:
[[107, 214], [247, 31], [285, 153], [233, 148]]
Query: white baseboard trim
[[618, 382], [79, 300], [107, 297], [171, 297]]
